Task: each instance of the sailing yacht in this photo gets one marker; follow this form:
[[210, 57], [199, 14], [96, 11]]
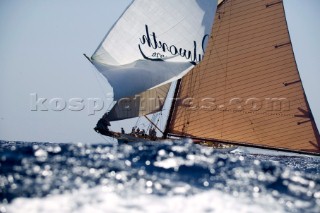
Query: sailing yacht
[[244, 90]]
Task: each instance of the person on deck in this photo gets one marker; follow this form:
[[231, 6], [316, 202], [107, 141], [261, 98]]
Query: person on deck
[[153, 134], [142, 132]]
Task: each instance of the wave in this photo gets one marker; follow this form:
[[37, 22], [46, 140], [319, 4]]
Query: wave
[[154, 177]]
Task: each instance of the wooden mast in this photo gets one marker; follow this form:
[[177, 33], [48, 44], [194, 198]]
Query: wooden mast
[[174, 100]]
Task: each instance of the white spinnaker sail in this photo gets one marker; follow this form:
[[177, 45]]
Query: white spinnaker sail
[[153, 42]]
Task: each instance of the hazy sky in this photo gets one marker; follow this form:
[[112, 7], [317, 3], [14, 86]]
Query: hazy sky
[[41, 46]]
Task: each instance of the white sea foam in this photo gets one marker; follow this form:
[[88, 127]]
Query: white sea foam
[[257, 151], [102, 199]]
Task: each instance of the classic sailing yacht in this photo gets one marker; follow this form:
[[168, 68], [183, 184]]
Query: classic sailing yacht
[[245, 91]]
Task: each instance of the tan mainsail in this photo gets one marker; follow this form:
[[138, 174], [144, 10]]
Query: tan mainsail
[[247, 89], [150, 101]]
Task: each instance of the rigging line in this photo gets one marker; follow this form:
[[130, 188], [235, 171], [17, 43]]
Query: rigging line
[[103, 138], [137, 122], [149, 124], [153, 117], [185, 114], [196, 86], [158, 119], [161, 119], [95, 74], [101, 88], [226, 67]]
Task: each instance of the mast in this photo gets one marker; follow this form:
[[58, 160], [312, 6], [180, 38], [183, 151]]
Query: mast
[[173, 103]]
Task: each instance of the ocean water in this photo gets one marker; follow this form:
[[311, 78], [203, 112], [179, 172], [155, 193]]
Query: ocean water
[[172, 176]]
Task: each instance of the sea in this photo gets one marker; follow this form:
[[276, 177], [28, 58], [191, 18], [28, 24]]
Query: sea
[[156, 177]]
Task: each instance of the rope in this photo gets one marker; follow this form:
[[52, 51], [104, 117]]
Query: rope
[[103, 138], [100, 85], [102, 91], [137, 122]]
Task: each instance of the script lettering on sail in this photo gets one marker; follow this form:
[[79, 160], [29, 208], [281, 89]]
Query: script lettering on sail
[[163, 50]]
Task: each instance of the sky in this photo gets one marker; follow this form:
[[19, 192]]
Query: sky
[[41, 64]]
